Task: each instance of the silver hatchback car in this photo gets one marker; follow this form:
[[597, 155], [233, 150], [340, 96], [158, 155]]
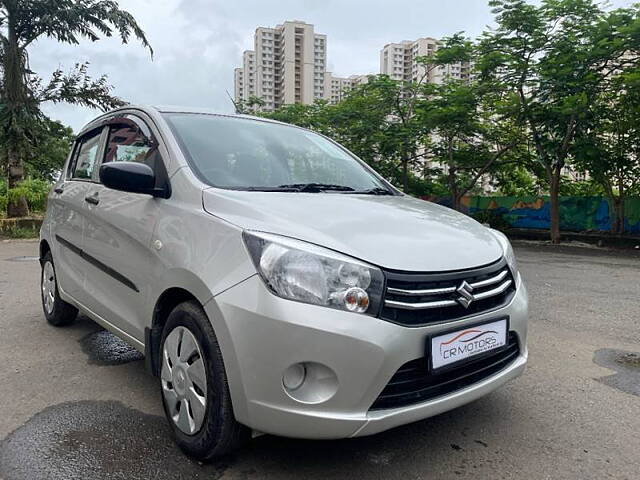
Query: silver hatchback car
[[275, 282]]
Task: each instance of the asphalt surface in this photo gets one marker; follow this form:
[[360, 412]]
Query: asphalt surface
[[77, 403]]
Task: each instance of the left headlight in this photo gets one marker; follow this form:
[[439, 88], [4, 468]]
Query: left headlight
[[305, 272], [507, 249]]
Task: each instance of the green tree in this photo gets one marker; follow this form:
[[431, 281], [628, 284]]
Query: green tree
[[249, 106], [473, 134], [377, 121], [52, 144], [553, 59], [608, 147], [22, 22], [516, 181], [312, 116]]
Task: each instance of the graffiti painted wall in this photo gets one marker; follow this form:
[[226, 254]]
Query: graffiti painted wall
[[576, 213]]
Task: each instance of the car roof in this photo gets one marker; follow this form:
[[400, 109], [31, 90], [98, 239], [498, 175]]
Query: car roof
[[159, 109]]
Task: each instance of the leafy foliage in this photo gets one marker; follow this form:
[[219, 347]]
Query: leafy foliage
[[34, 191], [493, 219], [53, 142], [20, 232], [608, 145], [77, 87]]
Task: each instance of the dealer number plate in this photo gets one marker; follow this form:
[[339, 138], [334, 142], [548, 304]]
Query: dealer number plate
[[455, 346]]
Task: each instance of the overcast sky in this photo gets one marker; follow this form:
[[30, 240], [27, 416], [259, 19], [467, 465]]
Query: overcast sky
[[197, 44]]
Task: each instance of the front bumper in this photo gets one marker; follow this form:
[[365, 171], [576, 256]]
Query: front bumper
[[261, 335]]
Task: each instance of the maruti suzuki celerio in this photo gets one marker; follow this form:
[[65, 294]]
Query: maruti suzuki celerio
[[274, 281]]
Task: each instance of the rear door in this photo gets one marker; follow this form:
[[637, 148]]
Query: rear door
[[68, 208], [119, 229]]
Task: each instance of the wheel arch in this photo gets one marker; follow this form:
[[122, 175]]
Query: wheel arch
[[43, 249], [167, 301]]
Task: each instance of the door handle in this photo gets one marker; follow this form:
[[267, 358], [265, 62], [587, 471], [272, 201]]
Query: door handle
[[58, 189], [92, 199]]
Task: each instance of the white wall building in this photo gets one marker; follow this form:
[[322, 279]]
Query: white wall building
[[287, 65], [337, 87], [398, 61]]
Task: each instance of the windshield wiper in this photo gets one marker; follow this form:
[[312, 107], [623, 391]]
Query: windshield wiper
[[316, 187], [374, 191]]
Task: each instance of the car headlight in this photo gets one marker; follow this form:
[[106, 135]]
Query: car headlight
[[305, 272], [507, 250]]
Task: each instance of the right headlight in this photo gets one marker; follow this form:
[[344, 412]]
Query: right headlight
[[507, 250], [305, 272]]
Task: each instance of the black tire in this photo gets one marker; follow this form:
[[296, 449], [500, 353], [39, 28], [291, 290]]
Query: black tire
[[220, 433], [62, 313]]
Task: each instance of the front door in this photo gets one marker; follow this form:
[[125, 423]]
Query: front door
[[118, 232]]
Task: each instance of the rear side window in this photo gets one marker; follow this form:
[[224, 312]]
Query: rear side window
[[86, 159]]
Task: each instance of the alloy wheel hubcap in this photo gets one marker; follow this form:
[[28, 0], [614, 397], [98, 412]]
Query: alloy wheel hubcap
[[184, 380], [48, 287]]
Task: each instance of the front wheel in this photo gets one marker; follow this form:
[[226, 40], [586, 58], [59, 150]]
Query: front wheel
[[194, 385], [57, 312]]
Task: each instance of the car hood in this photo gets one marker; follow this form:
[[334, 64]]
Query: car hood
[[394, 232]]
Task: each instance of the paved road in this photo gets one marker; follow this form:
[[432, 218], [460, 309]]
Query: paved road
[[75, 403]]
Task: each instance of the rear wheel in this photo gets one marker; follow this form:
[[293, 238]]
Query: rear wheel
[[57, 312], [194, 385]]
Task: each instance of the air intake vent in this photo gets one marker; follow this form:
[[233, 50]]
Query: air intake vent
[[413, 383]]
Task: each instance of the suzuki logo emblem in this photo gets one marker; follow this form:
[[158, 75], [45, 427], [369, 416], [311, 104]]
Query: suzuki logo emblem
[[466, 296]]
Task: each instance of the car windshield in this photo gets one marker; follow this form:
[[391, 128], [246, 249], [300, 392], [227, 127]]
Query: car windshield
[[245, 154]]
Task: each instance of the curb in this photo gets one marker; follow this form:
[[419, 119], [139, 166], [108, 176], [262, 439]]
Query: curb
[[599, 239]]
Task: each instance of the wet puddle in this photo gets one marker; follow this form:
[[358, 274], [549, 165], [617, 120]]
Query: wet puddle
[[23, 259], [627, 367], [97, 440], [104, 348]]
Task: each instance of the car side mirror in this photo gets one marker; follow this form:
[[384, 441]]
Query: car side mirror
[[131, 177]]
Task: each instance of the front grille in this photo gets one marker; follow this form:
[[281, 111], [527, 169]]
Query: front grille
[[417, 299], [412, 383]]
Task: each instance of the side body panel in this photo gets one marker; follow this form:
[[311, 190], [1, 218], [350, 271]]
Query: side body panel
[[117, 239], [199, 252]]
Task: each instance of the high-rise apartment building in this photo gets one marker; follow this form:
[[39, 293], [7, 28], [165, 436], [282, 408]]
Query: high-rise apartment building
[[398, 61], [336, 88], [245, 76], [287, 65]]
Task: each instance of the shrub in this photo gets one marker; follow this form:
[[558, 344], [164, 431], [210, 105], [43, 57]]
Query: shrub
[[20, 232], [494, 219], [34, 190]]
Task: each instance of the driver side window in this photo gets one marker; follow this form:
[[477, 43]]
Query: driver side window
[[127, 143]]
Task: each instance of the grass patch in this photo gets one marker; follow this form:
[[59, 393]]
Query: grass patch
[[20, 232]]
